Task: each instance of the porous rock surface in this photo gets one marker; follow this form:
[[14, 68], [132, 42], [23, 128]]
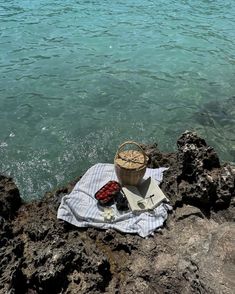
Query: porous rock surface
[[193, 253], [10, 199]]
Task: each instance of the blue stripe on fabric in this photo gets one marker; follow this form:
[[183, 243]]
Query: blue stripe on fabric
[[83, 196]]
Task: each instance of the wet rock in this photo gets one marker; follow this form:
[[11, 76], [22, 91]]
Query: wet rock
[[10, 199]]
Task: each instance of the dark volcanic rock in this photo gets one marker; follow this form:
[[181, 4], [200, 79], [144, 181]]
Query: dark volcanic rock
[[49, 257], [10, 199], [197, 177], [193, 253], [157, 158]]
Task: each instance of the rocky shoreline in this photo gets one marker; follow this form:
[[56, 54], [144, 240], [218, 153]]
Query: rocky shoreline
[[193, 253]]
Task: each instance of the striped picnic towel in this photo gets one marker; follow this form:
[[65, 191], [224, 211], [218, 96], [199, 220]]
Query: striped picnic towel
[[80, 206]]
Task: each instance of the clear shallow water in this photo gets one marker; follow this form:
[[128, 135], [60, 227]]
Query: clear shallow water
[[80, 77]]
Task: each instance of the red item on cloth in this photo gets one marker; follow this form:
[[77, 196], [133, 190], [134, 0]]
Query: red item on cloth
[[108, 192]]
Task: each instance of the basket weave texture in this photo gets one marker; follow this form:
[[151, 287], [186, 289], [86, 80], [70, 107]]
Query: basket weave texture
[[130, 165]]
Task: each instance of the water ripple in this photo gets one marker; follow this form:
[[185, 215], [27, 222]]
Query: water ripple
[[79, 77]]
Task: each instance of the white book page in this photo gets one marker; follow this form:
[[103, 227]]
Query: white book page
[[144, 197]]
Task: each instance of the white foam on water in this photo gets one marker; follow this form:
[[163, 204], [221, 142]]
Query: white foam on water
[[109, 71]]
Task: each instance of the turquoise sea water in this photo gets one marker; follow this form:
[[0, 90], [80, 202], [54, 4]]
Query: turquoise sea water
[[79, 77]]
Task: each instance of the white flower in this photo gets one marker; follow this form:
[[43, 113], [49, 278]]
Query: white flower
[[108, 214]]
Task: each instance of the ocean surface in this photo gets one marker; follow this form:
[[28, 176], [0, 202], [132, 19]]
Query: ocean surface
[[77, 78]]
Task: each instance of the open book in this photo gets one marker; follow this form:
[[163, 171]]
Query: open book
[[145, 196]]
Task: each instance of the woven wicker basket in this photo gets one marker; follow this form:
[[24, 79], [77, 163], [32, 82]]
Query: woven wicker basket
[[130, 165]]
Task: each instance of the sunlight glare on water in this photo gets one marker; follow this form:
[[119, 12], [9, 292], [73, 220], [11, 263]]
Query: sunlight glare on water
[[80, 77]]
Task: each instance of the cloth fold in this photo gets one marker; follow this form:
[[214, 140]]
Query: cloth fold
[[80, 206]]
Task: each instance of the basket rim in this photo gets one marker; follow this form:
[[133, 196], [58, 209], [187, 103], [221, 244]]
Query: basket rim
[[119, 150], [130, 169]]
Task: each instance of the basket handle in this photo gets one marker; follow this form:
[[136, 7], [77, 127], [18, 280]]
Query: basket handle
[[133, 143]]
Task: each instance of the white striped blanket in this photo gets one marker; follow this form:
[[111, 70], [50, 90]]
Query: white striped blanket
[[80, 206]]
